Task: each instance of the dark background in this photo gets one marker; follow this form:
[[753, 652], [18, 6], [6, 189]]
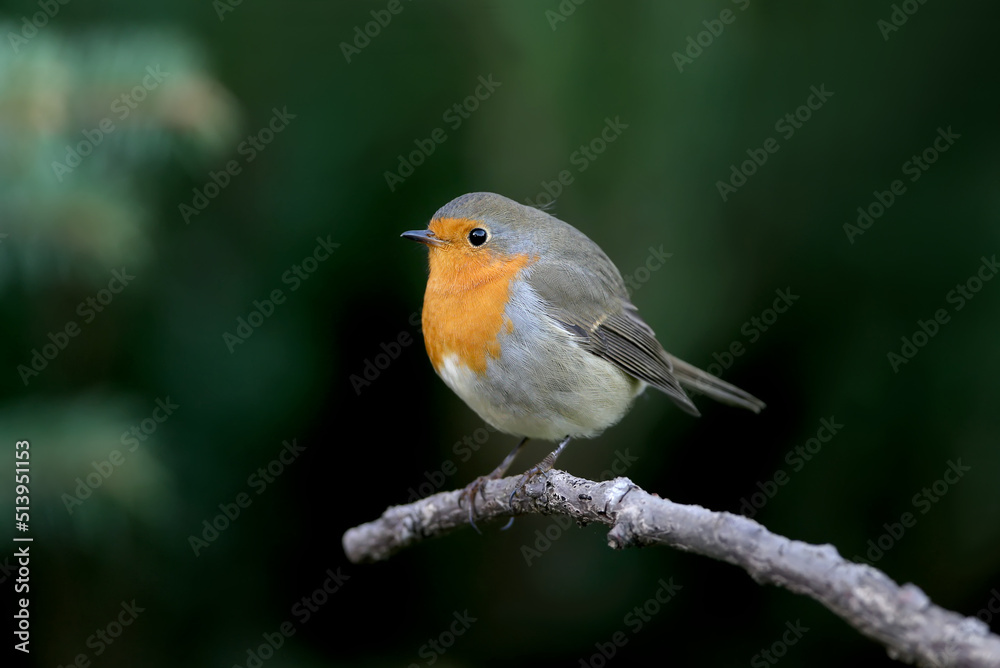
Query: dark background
[[655, 186]]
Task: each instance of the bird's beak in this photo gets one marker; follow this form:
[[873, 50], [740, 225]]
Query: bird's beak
[[423, 236]]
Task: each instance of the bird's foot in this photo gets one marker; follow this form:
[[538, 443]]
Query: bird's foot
[[468, 496], [542, 468]]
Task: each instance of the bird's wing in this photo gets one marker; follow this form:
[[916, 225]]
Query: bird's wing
[[586, 296]]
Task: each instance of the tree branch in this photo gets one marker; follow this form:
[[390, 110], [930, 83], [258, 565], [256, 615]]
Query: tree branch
[[903, 619]]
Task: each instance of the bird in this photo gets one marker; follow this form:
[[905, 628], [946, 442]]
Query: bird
[[530, 323]]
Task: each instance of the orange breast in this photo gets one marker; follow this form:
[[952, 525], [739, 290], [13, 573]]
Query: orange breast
[[464, 305]]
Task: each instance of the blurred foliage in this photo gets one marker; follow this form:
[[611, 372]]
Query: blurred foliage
[[116, 304]]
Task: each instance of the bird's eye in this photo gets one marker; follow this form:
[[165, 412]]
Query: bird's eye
[[478, 236]]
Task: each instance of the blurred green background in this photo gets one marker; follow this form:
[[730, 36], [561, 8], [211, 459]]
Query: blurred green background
[[164, 166]]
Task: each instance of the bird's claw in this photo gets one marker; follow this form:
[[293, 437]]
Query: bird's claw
[[477, 485]]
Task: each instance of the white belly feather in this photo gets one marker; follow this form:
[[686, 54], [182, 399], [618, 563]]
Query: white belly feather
[[543, 385]]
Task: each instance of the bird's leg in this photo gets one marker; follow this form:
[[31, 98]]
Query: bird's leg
[[479, 484], [541, 468]]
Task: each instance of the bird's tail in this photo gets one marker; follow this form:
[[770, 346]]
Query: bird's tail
[[702, 382]]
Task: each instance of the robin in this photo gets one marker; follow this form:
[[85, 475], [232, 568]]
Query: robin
[[529, 322]]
